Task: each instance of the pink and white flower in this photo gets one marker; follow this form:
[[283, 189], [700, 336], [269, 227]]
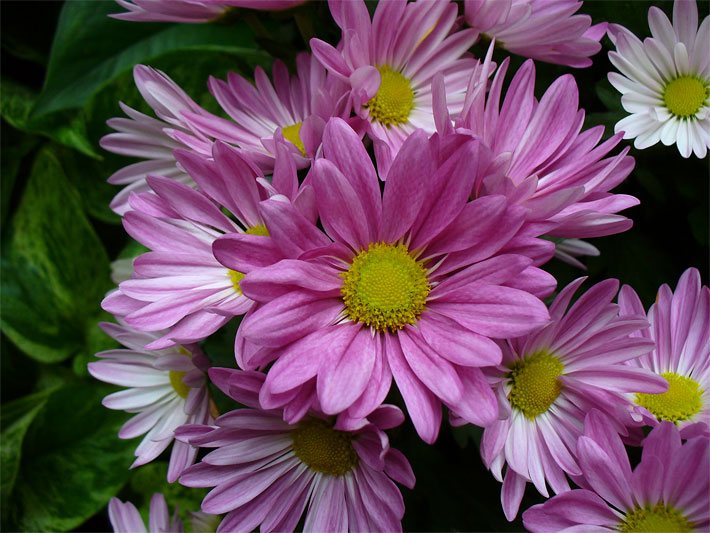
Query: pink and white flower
[[550, 379], [543, 161], [125, 518], [266, 471], [680, 329], [544, 30], [291, 108], [667, 491], [665, 80], [179, 286], [411, 285], [166, 389], [192, 10], [389, 63], [152, 139]]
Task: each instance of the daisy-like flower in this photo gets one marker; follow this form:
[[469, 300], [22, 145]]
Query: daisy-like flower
[[389, 64], [266, 471], [410, 285], [179, 286], [680, 328], [152, 139], [550, 379], [293, 108], [543, 161], [667, 491], [192, 10], [125, 518], [165, 388], [665, 80], [545, 30]]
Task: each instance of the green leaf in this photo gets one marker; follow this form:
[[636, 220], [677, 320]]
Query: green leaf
[[56, 270], [90, 50], [73, 461], [15, 420]]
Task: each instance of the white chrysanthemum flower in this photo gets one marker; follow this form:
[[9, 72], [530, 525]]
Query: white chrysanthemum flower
[[665, 80]]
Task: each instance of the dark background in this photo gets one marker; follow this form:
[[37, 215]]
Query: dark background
[[61, 458]]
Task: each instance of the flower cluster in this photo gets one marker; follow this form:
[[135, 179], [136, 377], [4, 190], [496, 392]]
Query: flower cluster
[[380, 220]]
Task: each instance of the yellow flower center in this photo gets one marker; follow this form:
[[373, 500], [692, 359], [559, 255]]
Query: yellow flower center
[[385, 287], [177, 383], [682, 400], [292, 134], [323, 448], [658, 519], [394, 100], [236, 278], [534, 383], [685, 96], [259, 229]]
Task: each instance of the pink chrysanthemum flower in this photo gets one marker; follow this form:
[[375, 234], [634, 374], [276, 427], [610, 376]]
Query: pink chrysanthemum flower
[[125, 518], [266, 471], [550, 379], [152, 139], [544, 162], [192, 10], [166, 388], [410, 285], [389, 64], [293, 108], [667, 491], [665, 80], [545, 30], [680, 328], [179, 285]]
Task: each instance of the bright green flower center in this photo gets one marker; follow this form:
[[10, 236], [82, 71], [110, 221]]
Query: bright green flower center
[[682, 400], [685, 96], [394, 100], [292, 134], [323, 448], [177, 383], [658, 519], [534, 383], [385, 287]]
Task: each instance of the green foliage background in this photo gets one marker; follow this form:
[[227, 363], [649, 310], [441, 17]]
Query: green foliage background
[[65, 66]]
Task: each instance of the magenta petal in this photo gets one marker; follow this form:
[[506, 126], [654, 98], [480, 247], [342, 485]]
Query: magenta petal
[[599, 472], [292, 232], [566, 510], [458, 344], [423, 407], [343, 379], [268, 283], [244, 253], [511, 493]]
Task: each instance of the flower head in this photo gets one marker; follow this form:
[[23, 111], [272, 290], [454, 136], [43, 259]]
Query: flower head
[[412, 284], [667, 491], [166, 389], [125, 518], [665, 80], [543, 159], [543, 30], [550, 379], [291, 109], [266, 471], [680, 328], [179, 286], [389, 62]]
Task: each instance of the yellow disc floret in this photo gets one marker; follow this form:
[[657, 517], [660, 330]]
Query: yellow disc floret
[[259, 229], [323, 448], [685, 96], [534, 383], [236, 278], [394, 100], [292, 134], [660, 518], [682, 401], [177, 383], [385, 287]]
